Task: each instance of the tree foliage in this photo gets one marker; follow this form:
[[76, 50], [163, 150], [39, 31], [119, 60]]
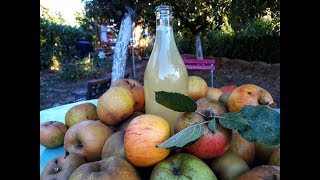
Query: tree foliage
[[57, 42], [244, 12]]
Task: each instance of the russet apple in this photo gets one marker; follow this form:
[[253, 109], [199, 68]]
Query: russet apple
[[110, 168], [87, 139], [62, 166], [136, 89], [204, 104], [262, 172], [245, 149], [224, 98], [275, 157], [115, 105], [263, 152], [52, 133], [114, 146], [197, 87], [229, 165], [214, 93], [182, 166], [81, 112]]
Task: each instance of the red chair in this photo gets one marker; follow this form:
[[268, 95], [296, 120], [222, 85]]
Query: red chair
[[202, 65]]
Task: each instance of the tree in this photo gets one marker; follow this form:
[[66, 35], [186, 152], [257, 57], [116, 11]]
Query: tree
[[194, 15], [123, 12]]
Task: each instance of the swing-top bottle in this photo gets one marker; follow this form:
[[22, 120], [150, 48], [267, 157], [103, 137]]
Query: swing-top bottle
[[165, 70]]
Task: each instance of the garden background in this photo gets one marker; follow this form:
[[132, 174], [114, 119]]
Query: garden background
[[243, 36]]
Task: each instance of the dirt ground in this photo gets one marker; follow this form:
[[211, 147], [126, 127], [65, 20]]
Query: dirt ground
[[55, 92]]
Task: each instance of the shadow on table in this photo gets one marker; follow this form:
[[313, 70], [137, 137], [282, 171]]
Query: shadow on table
[[49, 154]]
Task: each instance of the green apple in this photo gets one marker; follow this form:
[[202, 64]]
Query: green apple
[[182, 166]]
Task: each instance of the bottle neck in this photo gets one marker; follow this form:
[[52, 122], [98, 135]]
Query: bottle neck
[[163, 16], [164, 21], [164, 32]]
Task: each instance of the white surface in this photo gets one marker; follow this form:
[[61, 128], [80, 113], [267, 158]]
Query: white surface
[[57, 114]]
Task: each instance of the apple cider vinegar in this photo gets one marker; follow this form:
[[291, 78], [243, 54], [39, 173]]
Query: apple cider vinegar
[[165, 70]]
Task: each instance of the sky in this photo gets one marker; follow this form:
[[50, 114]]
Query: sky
[[67, 8]]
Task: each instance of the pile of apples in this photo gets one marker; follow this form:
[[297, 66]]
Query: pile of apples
[[117, 140]]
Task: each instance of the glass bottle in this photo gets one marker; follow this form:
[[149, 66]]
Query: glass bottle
[[165, 70]]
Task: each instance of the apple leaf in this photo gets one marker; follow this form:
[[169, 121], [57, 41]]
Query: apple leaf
[[248, 134], [255, 124], [175, 101], [183, 137], [264, 123], [234, 120], [212, 125]]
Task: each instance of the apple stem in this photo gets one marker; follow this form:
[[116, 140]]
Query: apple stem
[[201, 114], [66, 153]]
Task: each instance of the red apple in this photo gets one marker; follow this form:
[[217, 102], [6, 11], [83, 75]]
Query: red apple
[[62, 166], [52, 134], [87, 139], [226, 89], [210, 144]]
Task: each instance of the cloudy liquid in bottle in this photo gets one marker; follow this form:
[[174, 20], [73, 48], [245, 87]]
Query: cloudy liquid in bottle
[[165, 70]]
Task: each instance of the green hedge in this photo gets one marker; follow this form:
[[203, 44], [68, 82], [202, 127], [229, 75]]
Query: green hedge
[[259, 41], [59, 42], [263, 48]]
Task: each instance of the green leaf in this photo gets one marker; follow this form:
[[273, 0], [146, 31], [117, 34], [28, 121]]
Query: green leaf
[[176, 101], [264, 123], [234, 120], [183, 137], [212, 125], [248, 134]]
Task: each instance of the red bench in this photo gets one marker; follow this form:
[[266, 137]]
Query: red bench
[[202, 65]]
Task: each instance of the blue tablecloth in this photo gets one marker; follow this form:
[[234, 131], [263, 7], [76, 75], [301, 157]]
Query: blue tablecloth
[[57, 114]]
